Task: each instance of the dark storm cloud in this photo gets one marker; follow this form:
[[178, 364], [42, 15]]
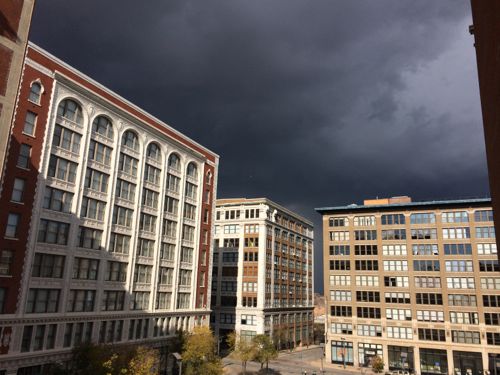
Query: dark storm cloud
[[309, 103]]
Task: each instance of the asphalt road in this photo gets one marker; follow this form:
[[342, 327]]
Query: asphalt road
[[289, 363]]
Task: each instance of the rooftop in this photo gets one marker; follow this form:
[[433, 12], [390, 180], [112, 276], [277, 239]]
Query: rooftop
[[228, 202], [408, 205]]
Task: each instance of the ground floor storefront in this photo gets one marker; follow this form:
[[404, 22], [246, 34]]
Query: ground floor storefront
[[421, 360]]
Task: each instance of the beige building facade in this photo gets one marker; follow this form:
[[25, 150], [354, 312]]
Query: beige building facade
[[262, 280], [415, 283]]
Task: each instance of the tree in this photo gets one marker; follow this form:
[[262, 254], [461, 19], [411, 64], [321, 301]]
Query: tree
[[198, 357], [265, 350], [144, 362], [241, 349], [91, 359], [377, 364]]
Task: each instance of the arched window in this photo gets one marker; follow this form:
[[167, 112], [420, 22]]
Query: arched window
[[154, 152], [35, 92], [70, 110], [208, 178], [102, 126], [192, 171], [130, 140], [174, 162]]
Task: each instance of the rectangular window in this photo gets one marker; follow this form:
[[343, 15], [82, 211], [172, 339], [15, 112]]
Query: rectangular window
[[369, 330], [431, 334], [173, 183], [459, 317], [491, 300], [427, 282], [6, 260], [364, 249], [429, 299], [163, 300], [191, 190], [487, 248], [23, 160], [339, 265], [490, 283], [42, 301], [341, 328], [341, 310], [364, 221], [465, 337], [335, 295], [48, 265], [81, 300], [96, 180], [367, 296], [62, 169], [57, 200], [119, 243], [362, 235], [397, 297], [128, 165], [152, 174], [142, 273], [394, 234], [458, 266], [53, 232], [423, 218], [457, 249], [404, 333], [425, 249], [391, 250], [393, 219], [460, 282], [492, 319], [169, 228], [116, 271], [167, 251], [112, 300], [338, 222], [455, 217], [147, 223], [367, 281], [463, 300], [150, 198], [66, 139], [92, 209], [485, 232], [11, 230], [125, 190], [165, 275], [430, 316], [339, 236], [89, 238], [424, 234], [396, 281], [395, 265], [483, 215], [30, 123], [456, 233], [171, 205], [139, 301], [122, 216], [18, 190], [100, 152], [145, 248], [426, 265], [368, 312], [85, 268], [340, 280]]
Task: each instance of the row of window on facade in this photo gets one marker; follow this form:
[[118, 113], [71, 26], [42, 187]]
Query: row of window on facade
[[416, 234], [492, 283], [416, 249], [415, 218], [490, 265], [44, 336]]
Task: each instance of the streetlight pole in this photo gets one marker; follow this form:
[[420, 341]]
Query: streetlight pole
[[343, 350]]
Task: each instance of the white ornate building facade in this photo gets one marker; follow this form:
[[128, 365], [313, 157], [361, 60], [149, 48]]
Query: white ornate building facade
[[106, 222]]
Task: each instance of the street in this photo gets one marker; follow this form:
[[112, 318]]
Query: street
[[290, 363]]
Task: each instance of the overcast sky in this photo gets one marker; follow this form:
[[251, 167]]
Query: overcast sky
[[308, 103]]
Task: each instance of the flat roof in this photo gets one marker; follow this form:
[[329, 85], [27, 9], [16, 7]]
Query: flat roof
[[228, 202], [409, 205]]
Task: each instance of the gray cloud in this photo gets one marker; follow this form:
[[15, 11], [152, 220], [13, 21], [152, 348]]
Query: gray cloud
[[309, 103]]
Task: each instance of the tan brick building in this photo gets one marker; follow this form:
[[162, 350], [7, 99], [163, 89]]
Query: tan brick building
[[416, 283]]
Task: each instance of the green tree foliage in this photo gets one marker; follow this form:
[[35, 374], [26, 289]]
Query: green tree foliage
[[265, 350], [198, 357], [91, 359], [377, 364], [241, 349]]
